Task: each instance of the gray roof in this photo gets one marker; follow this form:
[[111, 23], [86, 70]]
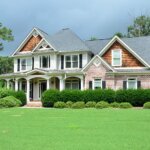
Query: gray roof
[[97, 45], [65, 40], [140, 45]]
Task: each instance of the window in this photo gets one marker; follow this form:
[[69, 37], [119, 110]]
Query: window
[[44, 61], [23, 64], [72, 84], [116, 57], [97, 84], [132, 83], [72, 61]]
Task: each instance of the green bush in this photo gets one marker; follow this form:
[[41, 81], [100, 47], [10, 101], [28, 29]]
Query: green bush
[[49, 97], [146, 105], [99, 94], [125, 105], [115, 105], [90, 104], [21, 96], [78, 105], [135, 97], [69, 104], [102, 104], [59, 104], [71, 95], [6, 92], [9, 101]]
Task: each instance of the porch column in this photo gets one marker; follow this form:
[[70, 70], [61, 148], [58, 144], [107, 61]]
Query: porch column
[[16, 84], [48, 82], [82, 84], [7, 84], [28, 90], [61, 85]]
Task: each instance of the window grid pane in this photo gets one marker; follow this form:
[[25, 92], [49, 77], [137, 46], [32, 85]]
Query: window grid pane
[[97, 83], [131, 83]]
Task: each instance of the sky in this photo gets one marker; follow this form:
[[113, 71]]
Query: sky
[[87, 18]]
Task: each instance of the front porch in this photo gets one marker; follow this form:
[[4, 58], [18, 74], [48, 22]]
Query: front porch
[[35, 85]]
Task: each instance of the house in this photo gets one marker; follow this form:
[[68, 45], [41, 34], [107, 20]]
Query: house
[[64, 61]]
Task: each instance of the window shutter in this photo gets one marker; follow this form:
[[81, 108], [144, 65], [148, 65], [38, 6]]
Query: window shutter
[[103, 84], [49, 61], [90, 85], [32, 62], [79, 84], [124, 85], [138, 84], [80, 61], [18, 64], [62, 61], [40, 61]]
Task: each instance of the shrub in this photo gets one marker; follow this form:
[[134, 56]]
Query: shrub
[[6, 92], [115, 105], [99, 94], [69, 104], [78, 105], [73, 95], [90, 104], [21, 96], [59, 105], [135, 97], [49, 97], [102, 104], [146, 105], [9, 101], [125, 105]]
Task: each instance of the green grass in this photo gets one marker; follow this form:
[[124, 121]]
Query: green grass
[[69, 129]]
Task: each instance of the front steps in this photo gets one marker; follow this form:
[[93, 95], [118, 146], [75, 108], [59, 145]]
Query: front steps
[[34, 104]]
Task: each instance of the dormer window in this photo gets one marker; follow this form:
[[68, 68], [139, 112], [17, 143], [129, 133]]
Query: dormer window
[[116, 57]]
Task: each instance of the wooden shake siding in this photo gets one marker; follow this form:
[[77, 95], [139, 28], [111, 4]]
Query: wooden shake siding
[[31, 44], [128, 60]]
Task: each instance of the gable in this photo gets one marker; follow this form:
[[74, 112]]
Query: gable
[[42, 46], [128, 60], [31, 43]]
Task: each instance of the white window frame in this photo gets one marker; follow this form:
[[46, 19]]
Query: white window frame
[[71, 56], [93, 85], [71, 81], [41, 62], [128, 82], [21, 64], [112, 52]]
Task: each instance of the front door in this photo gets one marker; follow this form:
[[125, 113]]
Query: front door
[[42, 88]]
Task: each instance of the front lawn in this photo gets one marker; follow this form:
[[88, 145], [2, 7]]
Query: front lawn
[[69, 129]]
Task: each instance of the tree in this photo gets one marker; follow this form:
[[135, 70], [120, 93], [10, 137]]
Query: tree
[[5, 35], [140, 27], [119, 34], [93, 38], [6, 65]]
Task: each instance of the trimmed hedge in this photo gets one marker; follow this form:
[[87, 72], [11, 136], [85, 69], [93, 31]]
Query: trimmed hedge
[[146, 105], [90, 104], [125, 105], [59, 105], [17, 94], [9, 101], [78, 105], [115, 105], [102, 104], [135, 97]]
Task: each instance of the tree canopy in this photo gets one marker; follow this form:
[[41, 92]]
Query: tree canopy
[[5, 35]]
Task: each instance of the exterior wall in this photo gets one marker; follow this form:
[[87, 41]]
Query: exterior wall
[[94, 72], [31, 44], [15, 65], [128, 60]]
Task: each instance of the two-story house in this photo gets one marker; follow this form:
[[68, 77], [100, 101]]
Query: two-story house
[[64, 61]]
